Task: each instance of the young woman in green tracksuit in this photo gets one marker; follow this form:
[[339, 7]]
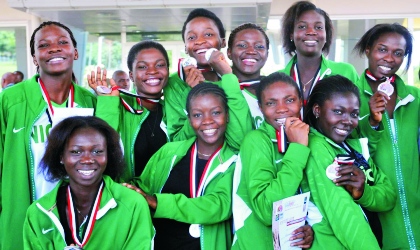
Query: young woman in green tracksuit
[[202, 31], [266, 172], [26, 117], [139, 117], [248, 49], [87, 209], [340, 190], [307, 33], [188, 184], [397, 150]]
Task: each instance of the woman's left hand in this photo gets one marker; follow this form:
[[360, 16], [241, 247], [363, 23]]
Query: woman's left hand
[[100, 80], [151, 200], [306, 234], [352, 179]]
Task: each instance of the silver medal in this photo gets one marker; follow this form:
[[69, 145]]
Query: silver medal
[[386, 87], [208, 53], [103, 90], [189, 61], [195, 230], [331, 172]]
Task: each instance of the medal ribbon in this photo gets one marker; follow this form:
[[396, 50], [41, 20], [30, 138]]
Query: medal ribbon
[[138, 99], [92, 217], [50, 109], [248, 83], [281, 139], [193, 191], [371, 77]]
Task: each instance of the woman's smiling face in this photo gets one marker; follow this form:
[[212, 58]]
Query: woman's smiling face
[[338, 116], [201, 34]]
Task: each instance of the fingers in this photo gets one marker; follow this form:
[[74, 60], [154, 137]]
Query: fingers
[[138, 190], [306, 234]]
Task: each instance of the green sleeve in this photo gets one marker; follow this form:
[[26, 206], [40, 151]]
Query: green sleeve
[[213, 207], [175, 94], [240, 119], [2, 141], [266, 184], [344, 217], [141, 228], [30, 239], [380, 197], [108, 109], [365, 130], [352, 74]]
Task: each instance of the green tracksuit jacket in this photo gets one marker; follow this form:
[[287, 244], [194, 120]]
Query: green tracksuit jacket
[[212, 210], [128, 125], [122, 222], [21, 106], [343, 225], [263, 175], [176, 92], [336, 68], [398, 157]]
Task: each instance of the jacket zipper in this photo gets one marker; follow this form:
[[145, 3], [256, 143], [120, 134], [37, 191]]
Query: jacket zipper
[[400, 181], [32, 156]]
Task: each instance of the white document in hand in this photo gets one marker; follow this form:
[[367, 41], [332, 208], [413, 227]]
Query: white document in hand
[[288, 214]]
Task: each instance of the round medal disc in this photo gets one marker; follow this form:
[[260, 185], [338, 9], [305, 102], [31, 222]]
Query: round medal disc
[[209, 52], [195, 230], [386, 87], [103, 90], [331, 172], [189, 61]]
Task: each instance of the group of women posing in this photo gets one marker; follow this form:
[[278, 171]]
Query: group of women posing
[[223, 143]]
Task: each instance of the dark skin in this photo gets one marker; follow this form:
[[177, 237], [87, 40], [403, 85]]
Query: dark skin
[[385, 58], [53, 42]]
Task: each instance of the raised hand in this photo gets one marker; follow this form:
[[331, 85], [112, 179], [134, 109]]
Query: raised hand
[[352, 179], [296, 131], [377, 106], [194, 76], [218, 62], [100, 80]]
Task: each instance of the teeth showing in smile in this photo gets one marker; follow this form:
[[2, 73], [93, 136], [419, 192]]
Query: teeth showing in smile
[[341, 131], [201, 51], [86, 172], [281, 121], [250, 60], [385, 68], [153, 81], [310, 42], [57, 59], [209, 131]]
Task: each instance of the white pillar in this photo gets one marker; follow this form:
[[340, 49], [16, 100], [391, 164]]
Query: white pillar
[[100, 40]]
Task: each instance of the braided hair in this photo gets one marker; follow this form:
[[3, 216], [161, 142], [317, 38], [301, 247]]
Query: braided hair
[[207, 88], [246, 26], [44, 24], [323, 91], [273, 78]]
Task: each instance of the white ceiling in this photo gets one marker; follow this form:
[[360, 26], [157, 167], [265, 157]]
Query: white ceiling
[[114, 16]]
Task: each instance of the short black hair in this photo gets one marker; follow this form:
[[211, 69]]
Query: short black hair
[[324, 90], [206, 88], [273, 78], [145, 45], [246, 26], [17, 72], [376, 31], [200, 12], [288, 24], [59, 136]]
